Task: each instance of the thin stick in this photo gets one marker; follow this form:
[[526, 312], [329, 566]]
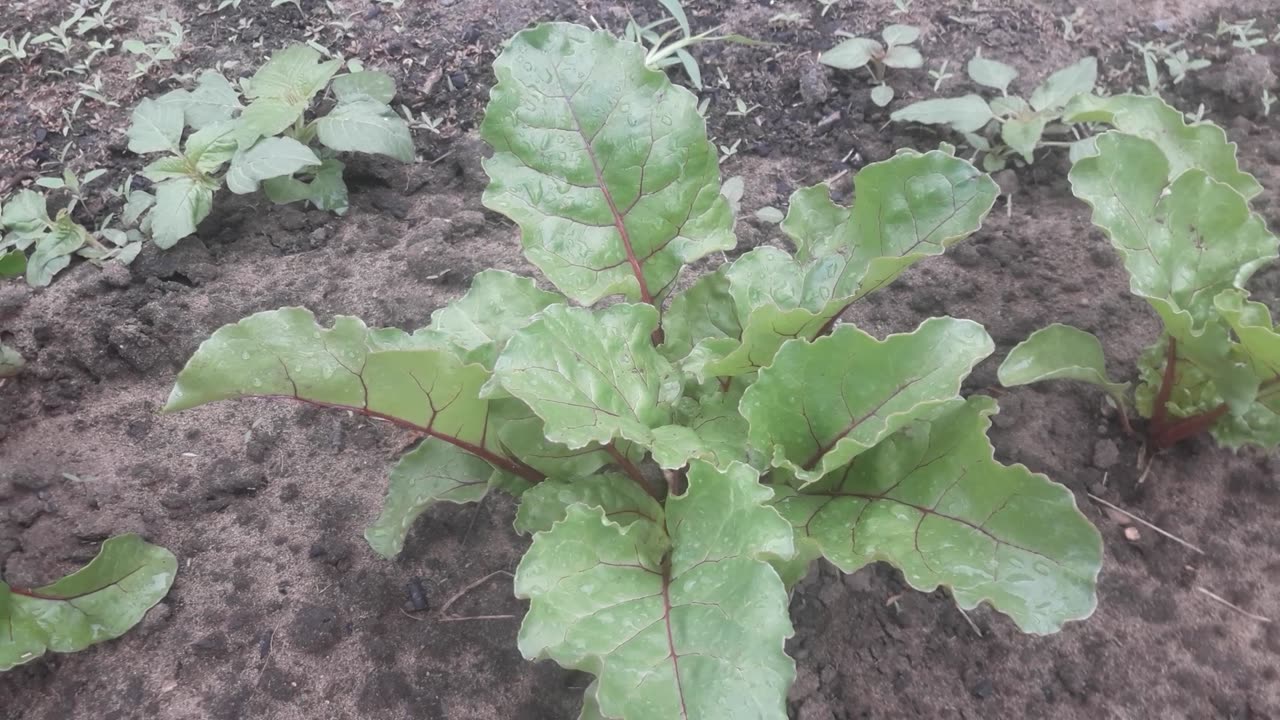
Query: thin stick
[[458, 618], [444, 609], [1130, 515], [1233, 606], [969, 620]]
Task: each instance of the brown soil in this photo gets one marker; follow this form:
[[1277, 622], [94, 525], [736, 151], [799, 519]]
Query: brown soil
[[279, 609]]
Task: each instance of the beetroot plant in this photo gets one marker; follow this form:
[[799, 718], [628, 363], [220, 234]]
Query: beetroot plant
[[682, 454], [1173, 201]]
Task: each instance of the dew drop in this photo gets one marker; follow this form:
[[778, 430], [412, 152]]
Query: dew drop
[[257, 382], [244, 355]]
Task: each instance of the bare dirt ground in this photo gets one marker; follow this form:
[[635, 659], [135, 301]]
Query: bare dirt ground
[[280, 610]]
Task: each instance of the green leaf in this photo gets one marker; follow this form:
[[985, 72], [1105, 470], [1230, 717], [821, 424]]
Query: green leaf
[[903, 57], [968, 113], [1200, 145], [53, 251], [433, 472], [591, 376], [99, 602], [366, 126], [852, 53], [687, 625], [12, 263], [210, 147], [1259, 422], [677, 13], [180, 205], [623, 501], [703, 311], [1183, 241], [900, 35], [821, 404], [156, 127], [522, 435], [282, 90], [707, 428], [1060, 87], [1060, 352], [213, 101], [326, 190], [907, 208], [882, 95], [269, 157], [991, 73], [481, 322], [603, 163], [1023, 134], [11, 361], [932, 500], [25, 215], [364, 85]]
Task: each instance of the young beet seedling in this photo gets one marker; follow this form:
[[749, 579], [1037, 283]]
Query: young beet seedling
[[1175, 204], [1006, 124], [895, 52], [99, 602], [679, 470], [270, 143]]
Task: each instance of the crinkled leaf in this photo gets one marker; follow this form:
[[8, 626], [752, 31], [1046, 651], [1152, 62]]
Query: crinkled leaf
[[433, 472], [967, 113], [180, 205], [1186, 145], [214, 100], [99, 602], [707, 428], [1259, 348], [603, 163], [623, 501], [364, 85], [156, 127], [689, 625], [366, 126], [906, 208], [522, 435], [1060, 352], [821, 404], [26, 215], [411, 379], [1183, 241], [932, 500], [852, 53], [592, 376], [498, 304], [53, 251], [1023, 134], [991, 73], [703, 311], [1060, 87], [269, 157]]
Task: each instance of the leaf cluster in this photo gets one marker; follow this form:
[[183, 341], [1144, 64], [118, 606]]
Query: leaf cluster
[[1002, 126], [1173, 201], [208, 137], [41, 246], [895, 52], [681, 456]]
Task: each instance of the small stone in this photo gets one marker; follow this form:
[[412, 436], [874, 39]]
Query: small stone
[[116, 275], [1105, 454], [815, 87]]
